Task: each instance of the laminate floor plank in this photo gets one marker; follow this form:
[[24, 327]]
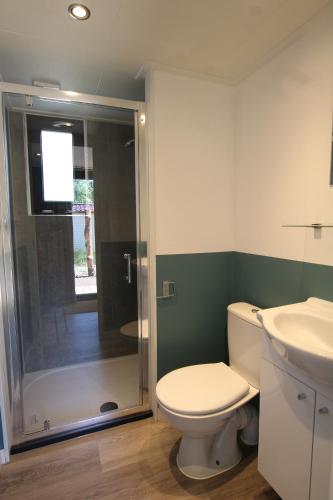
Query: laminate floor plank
[[135, 461]]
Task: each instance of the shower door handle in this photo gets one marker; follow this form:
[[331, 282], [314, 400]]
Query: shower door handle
[[128, 277]]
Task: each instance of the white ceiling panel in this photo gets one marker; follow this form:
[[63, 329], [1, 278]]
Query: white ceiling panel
[[225, 39], [49, 19], [23, 59]]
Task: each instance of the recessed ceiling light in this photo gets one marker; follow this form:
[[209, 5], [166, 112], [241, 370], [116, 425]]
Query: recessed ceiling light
[[79, 12]]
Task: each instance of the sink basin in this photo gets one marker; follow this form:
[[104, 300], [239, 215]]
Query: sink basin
[[302, 334]]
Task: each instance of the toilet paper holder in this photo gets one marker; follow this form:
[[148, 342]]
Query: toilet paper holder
[[168, 290]]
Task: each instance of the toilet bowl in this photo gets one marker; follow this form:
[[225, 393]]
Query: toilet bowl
[[209, 403]]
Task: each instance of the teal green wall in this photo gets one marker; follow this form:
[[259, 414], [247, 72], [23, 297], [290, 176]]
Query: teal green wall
[[191, 328], [270, 282]]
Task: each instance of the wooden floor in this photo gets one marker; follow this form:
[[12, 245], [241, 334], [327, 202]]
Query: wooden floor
[[132, 461]]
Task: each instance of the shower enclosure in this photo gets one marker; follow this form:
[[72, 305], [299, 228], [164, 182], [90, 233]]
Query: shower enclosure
[[74, 261]]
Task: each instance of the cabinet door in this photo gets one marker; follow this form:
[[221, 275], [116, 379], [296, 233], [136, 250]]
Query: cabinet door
[[285, 432], [322, 462]]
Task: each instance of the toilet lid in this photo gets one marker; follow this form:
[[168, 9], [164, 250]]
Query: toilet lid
[[201, 389]]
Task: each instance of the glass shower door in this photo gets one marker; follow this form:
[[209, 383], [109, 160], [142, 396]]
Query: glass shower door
[[74, 220]]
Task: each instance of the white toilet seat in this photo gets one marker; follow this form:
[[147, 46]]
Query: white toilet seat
[[225, 413], [200, 390]]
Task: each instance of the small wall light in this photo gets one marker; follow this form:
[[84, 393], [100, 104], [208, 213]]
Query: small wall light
[[62, 124]]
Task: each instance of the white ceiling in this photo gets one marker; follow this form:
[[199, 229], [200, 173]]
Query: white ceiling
[[226, 39]]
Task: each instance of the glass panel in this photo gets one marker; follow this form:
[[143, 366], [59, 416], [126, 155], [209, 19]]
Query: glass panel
[[57, 166], [76, 261]]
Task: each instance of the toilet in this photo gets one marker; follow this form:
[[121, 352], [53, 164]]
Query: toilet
[[209, 403]]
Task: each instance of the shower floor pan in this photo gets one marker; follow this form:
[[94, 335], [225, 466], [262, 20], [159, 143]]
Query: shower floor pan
[[61, 396]]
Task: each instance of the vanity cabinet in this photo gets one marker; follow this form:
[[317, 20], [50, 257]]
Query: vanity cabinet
[[322, 462], [295, 436], [285, 432]]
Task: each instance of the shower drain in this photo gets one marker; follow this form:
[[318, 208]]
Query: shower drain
[[108, 406]]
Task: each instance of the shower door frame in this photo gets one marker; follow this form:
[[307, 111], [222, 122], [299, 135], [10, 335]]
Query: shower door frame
[[144, 287]]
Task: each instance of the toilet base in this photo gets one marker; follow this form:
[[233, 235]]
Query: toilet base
[[202, 457], [205, 472], [209, 445]]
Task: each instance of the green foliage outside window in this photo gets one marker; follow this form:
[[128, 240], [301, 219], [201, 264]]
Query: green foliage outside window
[[83, 191]]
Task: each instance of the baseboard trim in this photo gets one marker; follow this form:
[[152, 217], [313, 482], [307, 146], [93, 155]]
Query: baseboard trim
[[89, 429], [4, 458]]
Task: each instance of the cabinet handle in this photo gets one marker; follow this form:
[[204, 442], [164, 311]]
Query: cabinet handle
[[301, 395], [323, 410]]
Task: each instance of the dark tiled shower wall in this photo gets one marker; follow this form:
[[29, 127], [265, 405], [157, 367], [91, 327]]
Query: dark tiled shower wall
[[118, 297], [191, 328]]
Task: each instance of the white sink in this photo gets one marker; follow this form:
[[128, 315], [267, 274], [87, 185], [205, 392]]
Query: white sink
[[303, 335]]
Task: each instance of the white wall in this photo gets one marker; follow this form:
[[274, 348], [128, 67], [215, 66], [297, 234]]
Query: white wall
[[283, 130], [278, 122], [191, 155]]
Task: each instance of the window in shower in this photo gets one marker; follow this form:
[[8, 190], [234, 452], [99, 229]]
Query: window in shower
[[61, 183], [56, 159]]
